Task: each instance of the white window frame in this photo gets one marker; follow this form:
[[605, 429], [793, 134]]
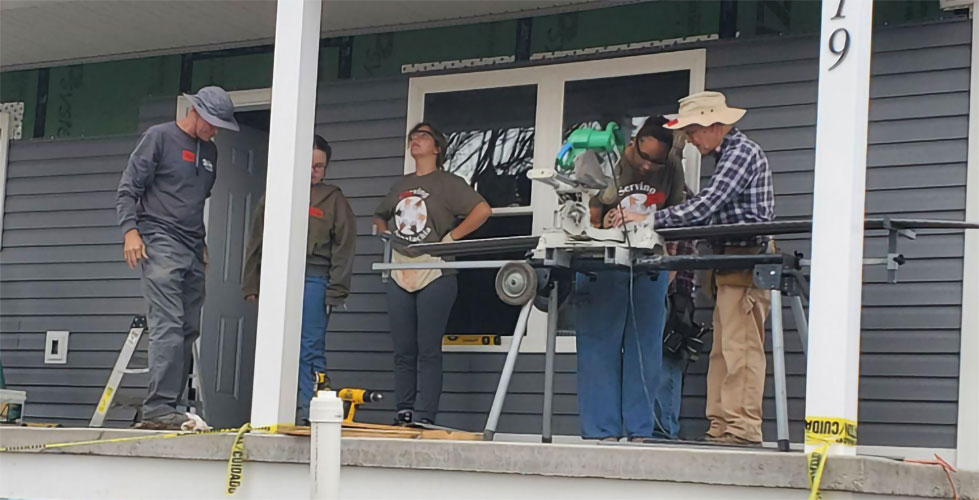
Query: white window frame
[[550, 81], [6, 122]]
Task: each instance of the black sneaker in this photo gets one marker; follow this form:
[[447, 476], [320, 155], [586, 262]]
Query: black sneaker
[[404, 418]]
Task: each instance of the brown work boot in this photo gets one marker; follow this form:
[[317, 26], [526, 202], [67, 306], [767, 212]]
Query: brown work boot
[[731, 439]]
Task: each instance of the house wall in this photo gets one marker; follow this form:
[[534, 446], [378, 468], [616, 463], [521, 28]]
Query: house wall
[[62, 268], [916, 168]]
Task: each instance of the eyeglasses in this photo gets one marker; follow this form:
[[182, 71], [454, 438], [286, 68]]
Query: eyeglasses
[[642, 154], [319, 166]]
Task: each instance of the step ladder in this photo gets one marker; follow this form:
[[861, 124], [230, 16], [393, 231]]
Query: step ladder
[[136, 330]]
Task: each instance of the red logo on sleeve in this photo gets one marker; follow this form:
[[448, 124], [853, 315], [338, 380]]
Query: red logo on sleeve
[[655, 199], [316, 212], [188, 155]]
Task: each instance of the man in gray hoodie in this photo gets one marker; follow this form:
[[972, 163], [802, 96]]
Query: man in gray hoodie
[[160, 203]]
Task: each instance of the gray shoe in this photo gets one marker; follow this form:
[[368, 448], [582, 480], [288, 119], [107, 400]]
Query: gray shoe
[[168, 422]]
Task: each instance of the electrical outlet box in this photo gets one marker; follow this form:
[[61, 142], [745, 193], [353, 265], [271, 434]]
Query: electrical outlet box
[[56, 348]]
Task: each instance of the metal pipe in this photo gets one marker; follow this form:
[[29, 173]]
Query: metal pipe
[[508, 366], [801, 322], [469, 264], [552, 316], [778, 357]]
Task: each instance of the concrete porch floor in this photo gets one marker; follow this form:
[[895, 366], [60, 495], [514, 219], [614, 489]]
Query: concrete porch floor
[[384, 463]]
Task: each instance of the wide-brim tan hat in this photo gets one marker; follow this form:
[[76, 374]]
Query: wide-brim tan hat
[[705, 109]]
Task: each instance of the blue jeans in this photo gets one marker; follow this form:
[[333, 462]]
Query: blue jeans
[[619, 352], [668, 396], [312, 343]]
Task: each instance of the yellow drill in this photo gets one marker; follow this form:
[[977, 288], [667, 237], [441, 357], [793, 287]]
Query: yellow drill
[[351, 397], [355, 397]]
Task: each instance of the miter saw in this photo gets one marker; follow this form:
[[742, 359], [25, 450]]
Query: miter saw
[[585, 168]]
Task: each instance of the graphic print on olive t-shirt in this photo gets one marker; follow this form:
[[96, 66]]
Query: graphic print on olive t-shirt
[[411, 215], [640, 198]]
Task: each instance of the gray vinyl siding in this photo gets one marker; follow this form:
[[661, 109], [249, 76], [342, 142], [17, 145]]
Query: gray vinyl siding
[[916, 167], [916, 163], [62, 269]]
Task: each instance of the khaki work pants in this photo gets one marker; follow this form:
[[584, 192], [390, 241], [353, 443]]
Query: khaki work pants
[[736, 374]]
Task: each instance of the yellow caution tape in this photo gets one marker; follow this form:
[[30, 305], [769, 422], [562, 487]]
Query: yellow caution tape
[[236, 460], [825, 431]]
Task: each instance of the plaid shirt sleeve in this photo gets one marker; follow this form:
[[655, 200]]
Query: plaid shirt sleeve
[[734, 173]]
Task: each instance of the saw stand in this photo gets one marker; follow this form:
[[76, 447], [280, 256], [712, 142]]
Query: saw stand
[[783, 279], [538, 282]]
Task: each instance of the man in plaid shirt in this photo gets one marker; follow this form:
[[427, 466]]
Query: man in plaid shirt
[[739, 191]]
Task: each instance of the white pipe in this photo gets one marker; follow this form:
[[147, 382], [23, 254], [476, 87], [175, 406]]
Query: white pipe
[[325, 417]]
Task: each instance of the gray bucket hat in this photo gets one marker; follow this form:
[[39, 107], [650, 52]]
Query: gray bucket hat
[[215, 107]]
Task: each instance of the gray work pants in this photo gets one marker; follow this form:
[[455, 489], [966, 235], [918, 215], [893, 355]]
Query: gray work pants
[[418, 322], [172, 279]]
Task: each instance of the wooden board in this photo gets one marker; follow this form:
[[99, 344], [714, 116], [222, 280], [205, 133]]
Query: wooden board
[[358, 429]]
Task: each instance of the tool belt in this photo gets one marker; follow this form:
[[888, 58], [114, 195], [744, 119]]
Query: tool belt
[[682, 337]]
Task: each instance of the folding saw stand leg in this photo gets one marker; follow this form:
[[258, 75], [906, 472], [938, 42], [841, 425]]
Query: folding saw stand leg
[[788, 285], [511, 361], [549, 353], [778, 359]]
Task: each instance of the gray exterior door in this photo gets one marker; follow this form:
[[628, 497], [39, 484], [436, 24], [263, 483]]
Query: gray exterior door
[[227, 353]]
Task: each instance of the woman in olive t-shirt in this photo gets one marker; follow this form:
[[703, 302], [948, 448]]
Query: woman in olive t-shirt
[[424, 207]]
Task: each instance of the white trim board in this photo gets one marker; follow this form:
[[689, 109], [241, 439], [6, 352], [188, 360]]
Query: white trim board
[[968, 431], [550, 80], [6, 122]]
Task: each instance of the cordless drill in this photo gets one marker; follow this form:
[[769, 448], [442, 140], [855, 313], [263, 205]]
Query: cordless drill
[[354, 397], [351, 397]]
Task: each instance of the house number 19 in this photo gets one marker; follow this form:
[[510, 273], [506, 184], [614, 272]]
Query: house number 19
[[839, 41]]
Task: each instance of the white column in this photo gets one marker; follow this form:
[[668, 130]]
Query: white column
[[297, 31], [833, 362], [549, 121], [967, 449]]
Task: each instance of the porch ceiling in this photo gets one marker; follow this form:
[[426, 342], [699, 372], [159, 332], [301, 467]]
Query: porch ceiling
[[51, 32]]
